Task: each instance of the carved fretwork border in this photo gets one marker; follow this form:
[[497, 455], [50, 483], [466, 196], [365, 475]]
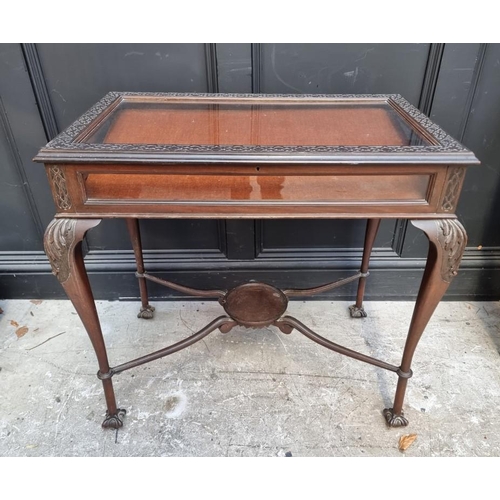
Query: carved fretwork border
[[58, 181], [68, 140], [453, 184]]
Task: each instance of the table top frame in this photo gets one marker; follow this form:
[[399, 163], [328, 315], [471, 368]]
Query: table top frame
[[68, 146]]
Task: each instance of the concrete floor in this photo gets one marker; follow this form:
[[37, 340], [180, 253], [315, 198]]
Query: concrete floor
[[249, 392]]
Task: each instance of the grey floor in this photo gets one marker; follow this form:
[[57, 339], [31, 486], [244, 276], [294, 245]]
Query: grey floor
[[249, 392]]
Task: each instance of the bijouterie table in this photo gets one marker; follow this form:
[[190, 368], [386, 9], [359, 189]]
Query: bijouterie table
[[144, 155]]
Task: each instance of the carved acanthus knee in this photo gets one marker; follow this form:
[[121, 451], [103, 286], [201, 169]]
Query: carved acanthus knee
[[60, 240], [449, 238], [452, 238]]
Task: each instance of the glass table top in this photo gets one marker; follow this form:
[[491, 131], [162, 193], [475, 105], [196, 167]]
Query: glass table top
[[218, 122]]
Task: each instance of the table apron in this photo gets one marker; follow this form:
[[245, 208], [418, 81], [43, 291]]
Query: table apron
[[185, 191]]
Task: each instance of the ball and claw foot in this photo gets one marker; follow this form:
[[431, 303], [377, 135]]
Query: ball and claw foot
[[394, 420], [146, 312], [357, 312], [114, 421], [284, 327]]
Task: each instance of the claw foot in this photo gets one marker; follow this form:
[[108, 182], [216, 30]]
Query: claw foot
[[395, 420], [146, 312], [357, 312], [284, 327], [114, 421], [227, 327]]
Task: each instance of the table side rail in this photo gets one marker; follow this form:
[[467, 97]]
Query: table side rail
[[260, 191]]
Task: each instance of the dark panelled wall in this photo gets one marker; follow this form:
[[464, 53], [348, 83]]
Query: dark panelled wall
[[44, 87]]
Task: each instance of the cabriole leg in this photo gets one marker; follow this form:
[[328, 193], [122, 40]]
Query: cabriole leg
[[63, 246], [147, 310], [447, 240], [372, 225]]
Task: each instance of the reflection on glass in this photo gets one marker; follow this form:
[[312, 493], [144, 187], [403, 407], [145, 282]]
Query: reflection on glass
[[309, 123], [237, 188]]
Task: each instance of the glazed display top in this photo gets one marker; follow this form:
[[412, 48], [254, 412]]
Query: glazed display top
[[247, 123], [145, 127]]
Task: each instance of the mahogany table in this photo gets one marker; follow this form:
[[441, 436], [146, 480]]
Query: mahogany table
[[145, 155]]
